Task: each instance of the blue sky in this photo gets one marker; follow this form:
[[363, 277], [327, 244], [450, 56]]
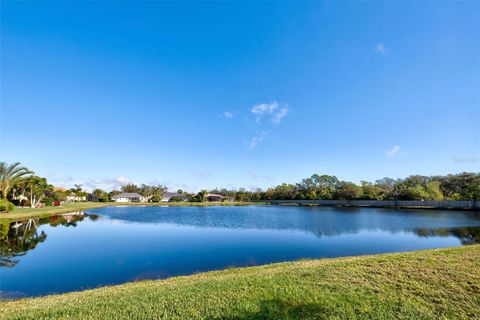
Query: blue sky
[[222, 94]]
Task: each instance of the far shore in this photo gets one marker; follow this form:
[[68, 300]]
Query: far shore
[[28, 213]]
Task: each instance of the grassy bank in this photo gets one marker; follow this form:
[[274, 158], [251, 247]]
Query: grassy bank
[[27, 213], [434, 284]]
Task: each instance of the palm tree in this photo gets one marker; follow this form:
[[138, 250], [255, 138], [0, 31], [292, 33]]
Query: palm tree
[[37, 186], [11, 174]]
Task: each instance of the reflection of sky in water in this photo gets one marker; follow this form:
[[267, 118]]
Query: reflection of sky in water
[[115, 245]]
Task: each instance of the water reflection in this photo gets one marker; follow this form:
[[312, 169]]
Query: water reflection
[[115, 245], [466, 235], [320, 221], [19, 237]]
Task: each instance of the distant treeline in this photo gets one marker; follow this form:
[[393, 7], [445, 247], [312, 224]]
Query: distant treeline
[[21, 186], [463, 186]]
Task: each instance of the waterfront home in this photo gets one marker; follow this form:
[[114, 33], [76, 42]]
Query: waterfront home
[[129, 197], [212, 197], [167, 196], [75, 198]]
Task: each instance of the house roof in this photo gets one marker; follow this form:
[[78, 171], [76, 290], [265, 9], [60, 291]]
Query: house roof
[[213, 195], [128, 195], [173, 194]]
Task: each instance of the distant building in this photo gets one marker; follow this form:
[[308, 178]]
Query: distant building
[[74, 198], [214, 197], [167, 196], [129, 197]]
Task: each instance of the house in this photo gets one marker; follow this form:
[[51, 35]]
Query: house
[[129, 197], [167, 196], [212, 197], [74, 198]]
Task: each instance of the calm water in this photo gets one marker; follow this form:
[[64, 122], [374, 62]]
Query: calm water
[[119, 244]]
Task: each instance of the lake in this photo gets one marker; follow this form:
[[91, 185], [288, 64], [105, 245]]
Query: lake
[[114, 245]]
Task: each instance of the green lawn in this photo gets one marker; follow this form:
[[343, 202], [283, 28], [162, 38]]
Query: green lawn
[[26, 213], [434, 284]]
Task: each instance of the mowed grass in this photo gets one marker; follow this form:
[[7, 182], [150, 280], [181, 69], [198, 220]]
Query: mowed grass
[[433, 284], [27, 213]]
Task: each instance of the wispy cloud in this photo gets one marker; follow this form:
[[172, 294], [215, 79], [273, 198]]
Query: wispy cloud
[[395, 151], [173, 186], [227, 115], [257, 139], [278, 116], [271, 110], [264, 108], [107, 184], [380, 48]]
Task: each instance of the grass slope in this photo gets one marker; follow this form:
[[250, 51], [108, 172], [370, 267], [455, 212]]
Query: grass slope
[[434, 284], [27, 213]]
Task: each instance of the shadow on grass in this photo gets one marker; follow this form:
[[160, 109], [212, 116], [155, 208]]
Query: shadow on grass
[[278, 309]]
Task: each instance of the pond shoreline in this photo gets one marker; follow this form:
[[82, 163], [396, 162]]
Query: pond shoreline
[[29, 213]]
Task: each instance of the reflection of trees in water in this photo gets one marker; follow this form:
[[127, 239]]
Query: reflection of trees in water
[[467, 235], [19, 237], [321, 222]]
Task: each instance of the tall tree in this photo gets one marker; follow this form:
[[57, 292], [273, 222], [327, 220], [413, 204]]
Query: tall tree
[[131, 188], [37, 187], [11, 174], [347, 191], [100, 195]]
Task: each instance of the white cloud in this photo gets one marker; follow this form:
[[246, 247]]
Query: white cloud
[[174, 186], [228, 115], [107, 184], [271, 110], [395, 151], [263, 108], [380, 48], [122, 181], [278, 116], [257, 139]]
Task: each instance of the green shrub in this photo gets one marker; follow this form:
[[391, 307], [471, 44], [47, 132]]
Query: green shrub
[[176, 199], [103, 198], [156, 198], [48, 201], [6, 206]]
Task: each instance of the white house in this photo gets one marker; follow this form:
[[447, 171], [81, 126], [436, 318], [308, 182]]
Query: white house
[[74, 198], [129, 197]]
